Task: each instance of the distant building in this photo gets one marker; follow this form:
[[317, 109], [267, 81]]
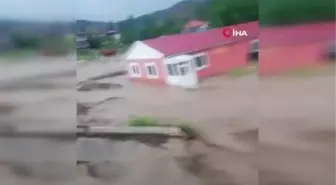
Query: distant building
[[82, 38], [82, 41], [195, 26], [102, 34], [115, 34]]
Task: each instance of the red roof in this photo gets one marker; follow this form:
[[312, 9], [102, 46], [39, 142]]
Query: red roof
[[189, 42], [194, 23], [297, 34]]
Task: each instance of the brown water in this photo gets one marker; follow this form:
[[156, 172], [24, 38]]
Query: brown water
[[282, 126]]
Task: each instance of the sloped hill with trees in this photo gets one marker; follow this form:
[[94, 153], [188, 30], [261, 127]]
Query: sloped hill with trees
[[171, 20]]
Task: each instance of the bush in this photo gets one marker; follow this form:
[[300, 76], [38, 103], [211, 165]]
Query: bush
[[274, 12], [87, 54], [109, 42], [25, 40], [95, 42]]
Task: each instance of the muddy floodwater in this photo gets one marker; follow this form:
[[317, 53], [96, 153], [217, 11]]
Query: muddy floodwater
[[277, 130]]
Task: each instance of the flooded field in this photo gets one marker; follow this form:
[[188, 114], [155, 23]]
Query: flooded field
[[274, 131]]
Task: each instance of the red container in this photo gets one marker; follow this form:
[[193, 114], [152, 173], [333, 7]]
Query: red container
[[108, 52]]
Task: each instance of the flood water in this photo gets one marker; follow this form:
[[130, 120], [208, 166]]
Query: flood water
[[282, 126]]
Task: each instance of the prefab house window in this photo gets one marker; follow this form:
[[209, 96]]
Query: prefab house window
[[254, 46], [135, 70], [170, 70], [329, 52], [201, 61], [176, 69], [179, 69], [173, 70], [184, 67], [152, 71]]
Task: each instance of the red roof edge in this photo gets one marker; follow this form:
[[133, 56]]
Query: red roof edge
[[191, 42]]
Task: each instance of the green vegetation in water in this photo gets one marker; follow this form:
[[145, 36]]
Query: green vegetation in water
[[143, 121], [17, 54], [190, 132]]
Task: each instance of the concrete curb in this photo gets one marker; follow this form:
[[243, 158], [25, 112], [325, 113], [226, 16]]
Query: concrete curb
[[94, 131], [170, 131]]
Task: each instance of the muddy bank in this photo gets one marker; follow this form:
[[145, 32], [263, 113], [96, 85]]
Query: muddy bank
[[108, 75], [6, 108], [236, 114], [84, 107], [185, 163], [93, 85]]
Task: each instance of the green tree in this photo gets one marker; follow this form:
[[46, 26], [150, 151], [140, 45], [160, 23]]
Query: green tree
[[110, 26], [203, 12], [130, 31], [109, 42], [168, 27], [26, 40], [148, 28], [273, 12], [171, 26], [95, 42], [233, 12]]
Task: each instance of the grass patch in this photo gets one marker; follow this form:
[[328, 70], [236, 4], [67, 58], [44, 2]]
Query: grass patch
[[190, 132], [140, 121], [87, 55], [143, 121], [243, 71], [17, 54]]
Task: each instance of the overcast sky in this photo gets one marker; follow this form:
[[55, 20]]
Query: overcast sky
[[104, 10]]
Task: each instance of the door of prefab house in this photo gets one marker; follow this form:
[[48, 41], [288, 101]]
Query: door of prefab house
[[181, 72]]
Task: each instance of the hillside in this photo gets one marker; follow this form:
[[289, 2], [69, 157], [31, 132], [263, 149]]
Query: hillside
[[184, 10], [171, 20]]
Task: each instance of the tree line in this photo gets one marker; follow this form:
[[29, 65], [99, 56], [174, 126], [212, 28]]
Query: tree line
[[217, 12], [53, 44], [228, 12]]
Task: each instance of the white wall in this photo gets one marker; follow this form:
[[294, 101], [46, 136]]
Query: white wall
[[117, 36], [140, 50], [189, 80]]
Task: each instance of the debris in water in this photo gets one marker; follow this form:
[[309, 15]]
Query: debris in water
[[93, 85]]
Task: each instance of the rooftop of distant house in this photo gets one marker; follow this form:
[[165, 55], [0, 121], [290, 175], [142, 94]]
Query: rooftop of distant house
[[195, 23], [112, 32]]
